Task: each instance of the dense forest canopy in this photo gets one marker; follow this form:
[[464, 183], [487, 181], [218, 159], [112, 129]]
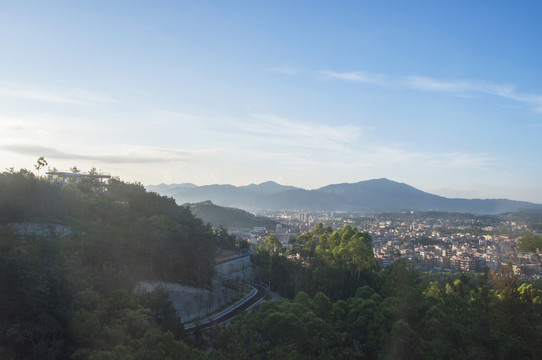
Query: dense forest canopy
[[335, 262], [146, 234], [407, 315], [65, 294]]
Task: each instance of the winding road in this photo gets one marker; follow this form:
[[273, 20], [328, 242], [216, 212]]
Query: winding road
[[231, 312]]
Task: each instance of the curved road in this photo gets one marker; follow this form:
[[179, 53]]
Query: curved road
[[230, 313]]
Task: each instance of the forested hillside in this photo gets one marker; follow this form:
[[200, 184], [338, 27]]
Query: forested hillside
[[219, 216], [143, 233], [64, 295], [408, 315]]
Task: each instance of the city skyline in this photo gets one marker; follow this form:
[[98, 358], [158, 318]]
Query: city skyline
[[443, 97]]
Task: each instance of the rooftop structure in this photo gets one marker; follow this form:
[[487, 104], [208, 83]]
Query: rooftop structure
[[63, 177]]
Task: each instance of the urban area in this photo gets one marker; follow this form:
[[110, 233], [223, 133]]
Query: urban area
[[434, 241]]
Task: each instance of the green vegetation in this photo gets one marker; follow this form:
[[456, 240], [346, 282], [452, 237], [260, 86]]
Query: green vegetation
[[427, 241], [406, 316], [531, 243], [335, 262], [147, 235], [219, 216], [71, 296], [359, 311]]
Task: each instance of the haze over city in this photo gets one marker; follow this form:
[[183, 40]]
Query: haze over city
[[445, 97]]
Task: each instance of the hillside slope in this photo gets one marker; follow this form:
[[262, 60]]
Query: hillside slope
[[219, 216], [70, 257]]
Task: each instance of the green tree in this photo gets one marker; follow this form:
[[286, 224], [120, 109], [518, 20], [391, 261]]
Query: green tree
[[41, 162], [531, 243]]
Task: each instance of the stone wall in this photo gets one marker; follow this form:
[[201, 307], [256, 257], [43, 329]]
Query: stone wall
[[238, 268], [190, 302], [26, 230]]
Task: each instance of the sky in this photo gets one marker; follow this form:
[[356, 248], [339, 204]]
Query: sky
[[443, 96]]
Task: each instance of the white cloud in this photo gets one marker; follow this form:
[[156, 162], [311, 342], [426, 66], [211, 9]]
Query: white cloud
[[462, 160], [8, 124], [355, 77], [460, 86], [301, 134], [465, 86], [292, 143], [37, 95], [74, 96], [456, 87], [259, 132], [392, 157], [119, 155]]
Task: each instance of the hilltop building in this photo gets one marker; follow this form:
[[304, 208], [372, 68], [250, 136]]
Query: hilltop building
[[63, 177]]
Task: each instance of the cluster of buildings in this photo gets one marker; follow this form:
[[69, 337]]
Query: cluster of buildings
[[434, 242], [445, 248]]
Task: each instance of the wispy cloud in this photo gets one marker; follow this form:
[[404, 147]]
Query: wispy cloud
[[7, 126], [356, 76], [264, 130], [459, 86], [74, 96], [301, 134], [37, 95], [472, 86], [455, 87], [376, 156], [459, 160], [294, 144], [133, 155]]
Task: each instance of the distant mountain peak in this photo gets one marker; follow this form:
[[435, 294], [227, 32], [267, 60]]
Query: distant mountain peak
[[270, 183], [374, 195]]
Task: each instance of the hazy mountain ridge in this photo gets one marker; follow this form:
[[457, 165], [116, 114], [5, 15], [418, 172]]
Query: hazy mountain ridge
[[246, 197], [375, 195]]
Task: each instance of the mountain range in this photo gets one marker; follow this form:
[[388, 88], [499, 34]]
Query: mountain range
[[377, 195]]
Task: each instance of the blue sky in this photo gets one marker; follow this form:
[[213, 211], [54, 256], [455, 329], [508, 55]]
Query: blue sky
[[445, 97]]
